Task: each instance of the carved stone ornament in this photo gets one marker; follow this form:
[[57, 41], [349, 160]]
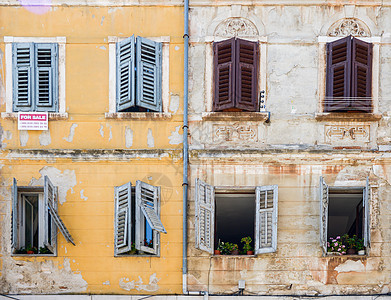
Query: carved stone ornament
[[235, 132], [236, 27], [347, 134], [349, 26]]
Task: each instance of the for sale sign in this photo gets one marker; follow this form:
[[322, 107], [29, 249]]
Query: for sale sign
[[32, 121]]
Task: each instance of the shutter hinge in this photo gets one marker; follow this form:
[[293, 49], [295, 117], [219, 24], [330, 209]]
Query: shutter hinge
[[261, 99]]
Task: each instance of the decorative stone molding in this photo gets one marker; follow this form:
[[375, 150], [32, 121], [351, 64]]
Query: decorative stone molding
[[236, 27], [349, 26], [347, 133]]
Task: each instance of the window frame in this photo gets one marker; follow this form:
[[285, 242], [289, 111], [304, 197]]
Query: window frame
[[61, 41], [112, 113]]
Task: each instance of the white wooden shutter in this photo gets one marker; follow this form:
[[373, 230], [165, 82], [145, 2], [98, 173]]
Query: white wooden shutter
[[204, 215], [149, 74], [324, 213], [367, 228], [266, 219], [148, 207], [15, 215], [123, 222], [126, 81]]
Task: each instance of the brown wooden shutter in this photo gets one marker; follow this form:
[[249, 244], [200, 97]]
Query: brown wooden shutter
[[224, 70], [361, 75], [246, 75], [338, 75]]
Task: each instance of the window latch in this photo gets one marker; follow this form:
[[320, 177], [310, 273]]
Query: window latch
[[261, 99]]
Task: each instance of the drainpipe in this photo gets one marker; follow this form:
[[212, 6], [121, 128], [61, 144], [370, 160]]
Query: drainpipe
[[185, 143]]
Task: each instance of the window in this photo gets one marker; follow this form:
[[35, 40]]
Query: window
[[254, 213], [344, 210], [348, 76], [236, 75], [35, 219], [137, 223], [139, 75]]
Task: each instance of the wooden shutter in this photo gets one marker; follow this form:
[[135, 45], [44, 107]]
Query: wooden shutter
[[148, 207], [126, 80], [122, 218], [338, 75], [46, 77], [246, 61], [15, 242], [367, 219], [224, 74], [266, 219], [22, 73], [324, 213], [361, 75], [204, 216], [149, 74]]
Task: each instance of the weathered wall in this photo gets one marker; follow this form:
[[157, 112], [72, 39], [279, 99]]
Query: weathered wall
[[86, 154]]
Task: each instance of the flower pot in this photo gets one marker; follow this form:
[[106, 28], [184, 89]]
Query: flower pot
[[361, 252], [30, 252], [351, 251], [250, 252], [217, 252], [235, 252]]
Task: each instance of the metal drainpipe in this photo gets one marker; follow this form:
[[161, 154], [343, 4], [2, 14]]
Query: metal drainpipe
[[185, 143]]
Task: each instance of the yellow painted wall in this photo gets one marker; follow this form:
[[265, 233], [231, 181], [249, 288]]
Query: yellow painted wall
[[89, 176]]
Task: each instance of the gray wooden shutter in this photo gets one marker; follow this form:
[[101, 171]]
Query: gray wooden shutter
[[204, 215], [246, 75], [122, 221], [15, 242], [149, 74], [266, 219], [324, 213], [22, 76], [148, 207], [361, 75], [367, 218], [224, 74], [50, 198], [46, 77], [126, 80], [338, 75]]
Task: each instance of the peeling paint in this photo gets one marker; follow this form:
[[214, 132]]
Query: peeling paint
[[152, 286], [82, 195], [128, 137], [150, 139], [102, 133], [71, 133], [23, 137], [101, 21], [107, 282], [44, 138], [110, 132], [176, 138], [6, 135], [102, 47], [174, 103], [350, 266]]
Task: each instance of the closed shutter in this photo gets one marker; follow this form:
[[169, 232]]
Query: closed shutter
[[148, 207], [126, 92], [22, 72], [149, 74], [204, 216], [15, 243], [338, 75], [122, 219], [367, 220], [46, 77], [266, 219], [361, 75], [246, 75], [324, 213], [224, 70]]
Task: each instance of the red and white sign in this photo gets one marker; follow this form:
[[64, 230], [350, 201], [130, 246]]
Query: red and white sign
[[32, 121]]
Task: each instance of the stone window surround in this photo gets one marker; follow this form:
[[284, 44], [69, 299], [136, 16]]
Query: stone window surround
[[61, 41], [113, 114]]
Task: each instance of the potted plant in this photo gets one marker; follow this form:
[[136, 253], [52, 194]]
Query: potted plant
[[220, 248], [133, 249], [351, 243], [360, 247], [247, 247], [31, 250], [336, 246], [235, 249]]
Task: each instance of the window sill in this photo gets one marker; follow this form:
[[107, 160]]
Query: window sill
[[233, 256], [52, 116], [138, 116], [348, 117], [236, 116], [33, 255], [347, 256]]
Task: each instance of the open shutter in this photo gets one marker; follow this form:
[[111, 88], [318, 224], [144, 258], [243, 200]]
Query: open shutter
[[266, 219], [46, 77], [204, 216], [338, 75], [22, 73], [148, 207], [367, 228], [361, 75], [324, 213], [126, 92], [224, 75], [246, 75], [15, 215], [122, 221], [149, 74]]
